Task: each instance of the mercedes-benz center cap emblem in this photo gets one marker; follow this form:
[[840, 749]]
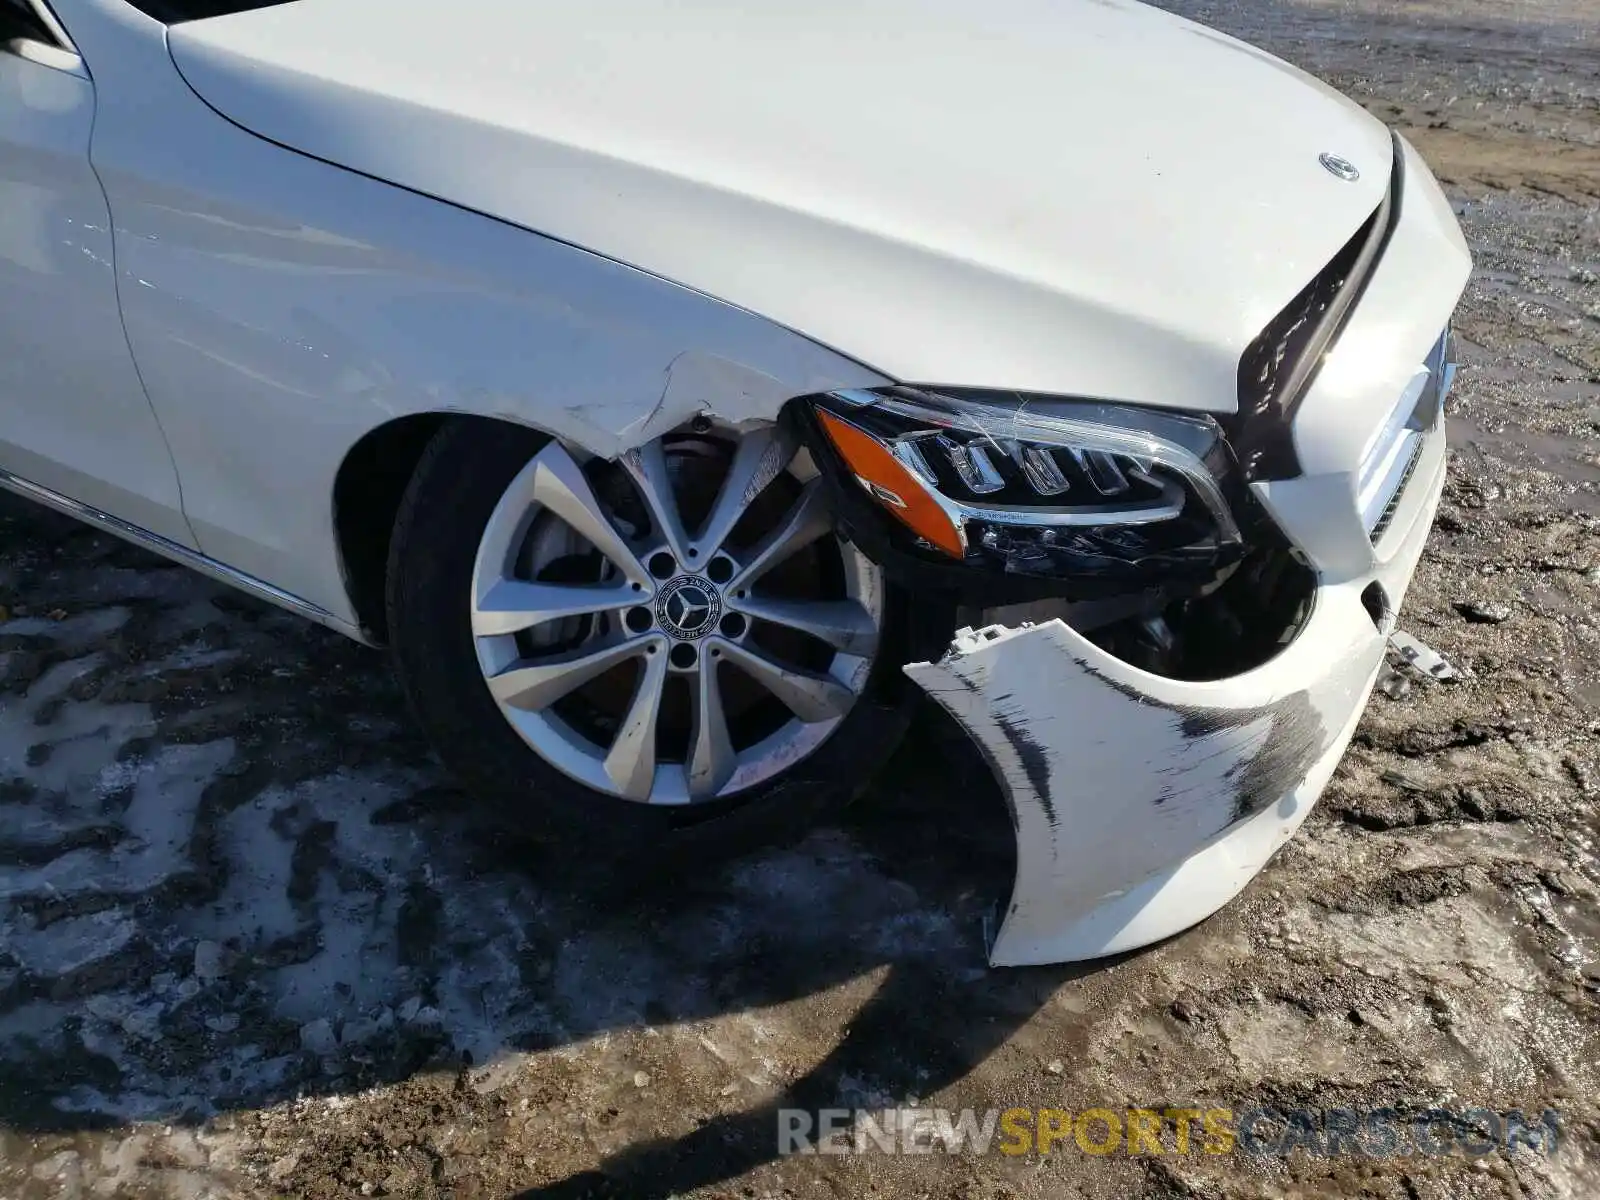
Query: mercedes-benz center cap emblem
[[688, 608]]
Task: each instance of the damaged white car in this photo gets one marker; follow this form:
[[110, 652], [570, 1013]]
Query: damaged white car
[[667, 383]]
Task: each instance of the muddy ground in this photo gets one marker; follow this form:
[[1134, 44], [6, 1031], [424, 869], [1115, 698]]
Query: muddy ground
[[252, 944]]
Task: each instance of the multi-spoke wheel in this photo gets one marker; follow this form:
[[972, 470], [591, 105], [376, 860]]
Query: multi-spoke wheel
[[679, 630]]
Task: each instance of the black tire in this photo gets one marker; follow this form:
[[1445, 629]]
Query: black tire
[[460, 478]]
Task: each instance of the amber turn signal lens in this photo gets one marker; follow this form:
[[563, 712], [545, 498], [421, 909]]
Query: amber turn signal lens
[[893, 485]]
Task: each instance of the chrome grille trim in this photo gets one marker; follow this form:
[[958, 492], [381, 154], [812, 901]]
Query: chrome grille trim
[[1386, 517], [1391, 457]]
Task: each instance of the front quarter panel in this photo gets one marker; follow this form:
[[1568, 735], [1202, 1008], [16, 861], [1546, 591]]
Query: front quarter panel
[[280, 308]]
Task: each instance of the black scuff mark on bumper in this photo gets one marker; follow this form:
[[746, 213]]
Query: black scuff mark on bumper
[[1295, 739], [1031, 753]]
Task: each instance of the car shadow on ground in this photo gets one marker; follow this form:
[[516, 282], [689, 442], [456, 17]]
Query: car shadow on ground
[[231, 875]]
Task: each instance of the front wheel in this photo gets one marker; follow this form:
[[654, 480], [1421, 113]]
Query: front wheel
[[611, 650]]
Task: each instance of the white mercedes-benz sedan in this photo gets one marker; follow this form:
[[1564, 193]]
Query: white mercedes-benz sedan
[[682, 388]]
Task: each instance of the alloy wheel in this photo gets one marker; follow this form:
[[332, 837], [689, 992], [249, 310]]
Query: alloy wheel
[[676, 627]]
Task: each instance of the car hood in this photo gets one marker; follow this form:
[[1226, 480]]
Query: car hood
[[1083, 197]]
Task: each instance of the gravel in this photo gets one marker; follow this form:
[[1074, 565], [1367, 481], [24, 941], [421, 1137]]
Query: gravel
[[1484, 614]]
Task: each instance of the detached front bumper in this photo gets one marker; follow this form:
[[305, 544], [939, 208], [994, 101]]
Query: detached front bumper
[[1142, 804]]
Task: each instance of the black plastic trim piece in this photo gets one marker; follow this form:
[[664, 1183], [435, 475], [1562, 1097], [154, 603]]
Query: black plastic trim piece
[[179, 12], [1279, 367]]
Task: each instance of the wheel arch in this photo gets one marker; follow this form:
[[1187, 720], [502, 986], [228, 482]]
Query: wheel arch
[[367, 492]]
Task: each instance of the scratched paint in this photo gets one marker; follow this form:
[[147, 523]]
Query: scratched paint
[[1296, 737], [1119, 782], [1035, 759]]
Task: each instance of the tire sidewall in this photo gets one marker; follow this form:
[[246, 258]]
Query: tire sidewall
[[461, 478]]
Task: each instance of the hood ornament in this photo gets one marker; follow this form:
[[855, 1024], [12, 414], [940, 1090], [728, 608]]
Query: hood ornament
[[1341, 168]]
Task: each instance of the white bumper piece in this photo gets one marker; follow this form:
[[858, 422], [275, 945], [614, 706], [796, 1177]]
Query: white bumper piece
[[1143, 804]]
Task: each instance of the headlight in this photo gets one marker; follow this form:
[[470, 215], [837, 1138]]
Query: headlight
[[1039, 486]]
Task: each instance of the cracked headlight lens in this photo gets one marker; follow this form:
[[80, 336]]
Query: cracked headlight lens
[[1038, 485]]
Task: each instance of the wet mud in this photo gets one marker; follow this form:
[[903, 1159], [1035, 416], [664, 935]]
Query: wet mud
[[253, 943]]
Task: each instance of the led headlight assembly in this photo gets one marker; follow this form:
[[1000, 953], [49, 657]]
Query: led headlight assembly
[[1037, 485]]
